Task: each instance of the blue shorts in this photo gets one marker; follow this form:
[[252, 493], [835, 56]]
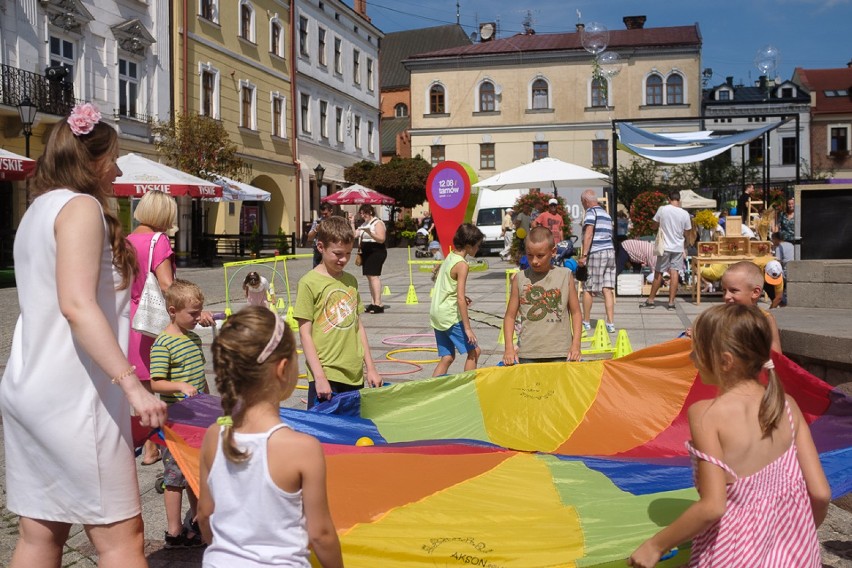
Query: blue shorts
[[451, 340]]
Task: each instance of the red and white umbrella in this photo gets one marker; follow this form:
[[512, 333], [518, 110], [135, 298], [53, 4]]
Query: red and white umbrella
[[358, 195], [14, 167], [141, 175]]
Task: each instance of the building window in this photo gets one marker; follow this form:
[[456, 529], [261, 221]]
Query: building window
[[321, 46], [654, 90], [787, 92], [338, 56], [207, 9], [839, 139], [788, 151], [209, 93], [246, 21], [724, 96], [275, 42], [370, 85], [540, 150], [324, 119], [338, 123], [400, 110], [247, 106], [279, 116], [674, 90], [356, 66], [370, 147], [599, 92], [358, 132], [438, 154], [128, 87], [303, 36], [486, 156], [62, 53], [540, 94], [755, 151], [306, 116], [437, 100], [600, 153], [487, 98]]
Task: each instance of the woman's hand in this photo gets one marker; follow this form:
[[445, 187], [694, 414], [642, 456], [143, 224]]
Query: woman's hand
[[151, 410], [206, 318]]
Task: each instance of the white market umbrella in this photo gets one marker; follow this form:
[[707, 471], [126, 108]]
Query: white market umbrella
[[14, 166], [546, 173], [233, 190], [141, 175]]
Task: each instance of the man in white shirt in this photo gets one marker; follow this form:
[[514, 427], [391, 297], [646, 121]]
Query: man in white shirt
[[674, 223]]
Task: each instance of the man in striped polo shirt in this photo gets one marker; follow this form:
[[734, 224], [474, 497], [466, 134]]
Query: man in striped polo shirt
[[599, 254], [177, 372]]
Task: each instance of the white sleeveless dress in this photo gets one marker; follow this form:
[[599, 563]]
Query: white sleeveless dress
[[69, 454]]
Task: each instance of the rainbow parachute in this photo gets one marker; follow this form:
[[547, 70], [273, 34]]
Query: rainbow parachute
[[561, 464]]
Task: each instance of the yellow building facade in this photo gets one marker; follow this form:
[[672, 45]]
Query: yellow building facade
[[500, 104], [232, 61]]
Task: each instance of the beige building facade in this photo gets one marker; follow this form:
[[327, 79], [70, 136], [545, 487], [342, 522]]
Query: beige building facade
[[233, 62], [503, 103]]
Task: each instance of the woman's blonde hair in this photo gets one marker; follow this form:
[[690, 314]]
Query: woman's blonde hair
[[240, 379], [744, 332], [76, 163], [158, 210]]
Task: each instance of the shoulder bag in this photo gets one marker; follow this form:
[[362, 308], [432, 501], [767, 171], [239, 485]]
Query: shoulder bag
[[152, 315]]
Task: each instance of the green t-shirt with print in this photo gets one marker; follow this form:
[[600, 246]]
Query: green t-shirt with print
[[332, 306]]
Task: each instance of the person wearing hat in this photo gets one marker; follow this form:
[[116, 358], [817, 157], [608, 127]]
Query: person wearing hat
[[551, 219], [773, 276]]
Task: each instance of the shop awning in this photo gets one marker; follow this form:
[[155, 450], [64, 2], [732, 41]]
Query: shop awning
[[15, 167], [141, 175]]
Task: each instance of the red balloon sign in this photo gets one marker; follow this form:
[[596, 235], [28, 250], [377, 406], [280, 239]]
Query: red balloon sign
[[448, 191]]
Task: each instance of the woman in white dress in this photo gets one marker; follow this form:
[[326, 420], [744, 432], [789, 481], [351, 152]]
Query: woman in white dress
[[68, 386]]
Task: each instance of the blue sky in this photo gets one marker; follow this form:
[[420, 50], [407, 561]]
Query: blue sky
[[813, 34]]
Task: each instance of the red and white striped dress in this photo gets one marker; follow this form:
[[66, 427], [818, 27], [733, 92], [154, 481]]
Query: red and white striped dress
[[768, 522]]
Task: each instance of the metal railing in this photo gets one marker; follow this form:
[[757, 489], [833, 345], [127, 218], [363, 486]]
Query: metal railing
[[51, 97]]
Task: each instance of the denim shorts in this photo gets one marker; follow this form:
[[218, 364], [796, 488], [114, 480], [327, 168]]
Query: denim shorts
[[451, 340]]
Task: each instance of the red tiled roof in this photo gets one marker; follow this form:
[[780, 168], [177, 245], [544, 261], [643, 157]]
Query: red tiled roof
[[821, 80], [645, 37]]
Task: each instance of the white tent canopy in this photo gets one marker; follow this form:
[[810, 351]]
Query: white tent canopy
[[546, 173], [233, 190], [691, 200], [141, 175]]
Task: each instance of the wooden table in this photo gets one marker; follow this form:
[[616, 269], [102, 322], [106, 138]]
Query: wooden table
[[699, 261]]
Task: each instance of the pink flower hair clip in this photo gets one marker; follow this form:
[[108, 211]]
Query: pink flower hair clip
[[83, 118]]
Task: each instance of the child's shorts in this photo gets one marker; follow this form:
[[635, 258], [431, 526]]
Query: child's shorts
[[172, 475], [451, 340]]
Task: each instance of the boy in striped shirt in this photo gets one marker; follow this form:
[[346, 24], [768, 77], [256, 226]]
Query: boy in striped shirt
[[177, 372]]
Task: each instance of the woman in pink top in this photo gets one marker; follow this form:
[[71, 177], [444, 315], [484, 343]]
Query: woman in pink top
[[762, 491]]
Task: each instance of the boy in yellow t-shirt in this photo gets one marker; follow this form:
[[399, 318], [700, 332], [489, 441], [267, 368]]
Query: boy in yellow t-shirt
[[327, 309]]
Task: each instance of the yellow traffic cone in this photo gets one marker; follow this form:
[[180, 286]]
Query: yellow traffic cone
[[600, 340], [280, 305], [290, 320], [431, 291], [501, 339], [386, 291], [411, 298], [622, 345]]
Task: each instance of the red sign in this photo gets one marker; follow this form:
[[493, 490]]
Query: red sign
[[448, 191], [174, 189], [14, 167]]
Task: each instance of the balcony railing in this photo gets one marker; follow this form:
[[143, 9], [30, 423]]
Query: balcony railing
[[51, 97]]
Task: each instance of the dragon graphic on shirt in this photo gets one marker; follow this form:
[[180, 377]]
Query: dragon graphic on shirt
[[542, 302]]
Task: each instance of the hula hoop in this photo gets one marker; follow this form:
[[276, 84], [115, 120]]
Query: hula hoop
[[409, 350], [402, 344], [398, 373]]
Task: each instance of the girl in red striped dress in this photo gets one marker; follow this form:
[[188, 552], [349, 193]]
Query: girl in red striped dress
[[761, 486]]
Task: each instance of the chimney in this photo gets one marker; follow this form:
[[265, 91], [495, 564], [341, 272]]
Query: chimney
[[729, 81], [580, 28], [849, 65], [361, 9], [634, 22], [762, 83]]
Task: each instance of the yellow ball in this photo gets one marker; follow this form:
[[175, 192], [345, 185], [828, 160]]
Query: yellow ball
[[364, 441], [521, 233]]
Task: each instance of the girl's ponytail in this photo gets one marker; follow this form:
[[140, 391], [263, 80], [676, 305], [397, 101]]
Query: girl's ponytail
[[772, 403]]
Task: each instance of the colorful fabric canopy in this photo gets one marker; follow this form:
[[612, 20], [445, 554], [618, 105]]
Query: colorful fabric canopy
[[557, 464], [358, 195]]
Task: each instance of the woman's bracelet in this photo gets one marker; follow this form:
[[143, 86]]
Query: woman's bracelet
[[126, 373]]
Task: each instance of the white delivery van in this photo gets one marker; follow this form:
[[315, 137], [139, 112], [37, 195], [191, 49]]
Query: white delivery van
[[488, 216]]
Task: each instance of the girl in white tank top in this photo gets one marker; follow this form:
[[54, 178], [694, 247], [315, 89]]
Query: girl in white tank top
[[263, 500]]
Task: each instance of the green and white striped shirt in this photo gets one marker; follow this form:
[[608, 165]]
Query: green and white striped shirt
[[178, 358]]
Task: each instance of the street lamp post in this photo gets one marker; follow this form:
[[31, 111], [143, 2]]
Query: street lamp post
[[27, 111], [319, 172]]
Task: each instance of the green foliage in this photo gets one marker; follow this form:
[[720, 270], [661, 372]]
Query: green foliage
[[642, 212], [406, 224], [255, 240], [281, 243], [198, 145], [637, 177], [404, 179], [408, 235]]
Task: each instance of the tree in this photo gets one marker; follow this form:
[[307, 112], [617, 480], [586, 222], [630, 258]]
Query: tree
[[198, 145], [404, 179], [639, 176]]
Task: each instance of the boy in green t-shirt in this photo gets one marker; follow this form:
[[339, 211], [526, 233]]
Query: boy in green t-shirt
[[327, 308], [177, 371]]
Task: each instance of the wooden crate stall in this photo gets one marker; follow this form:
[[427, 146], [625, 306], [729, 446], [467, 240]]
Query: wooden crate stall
[[732, 246]]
